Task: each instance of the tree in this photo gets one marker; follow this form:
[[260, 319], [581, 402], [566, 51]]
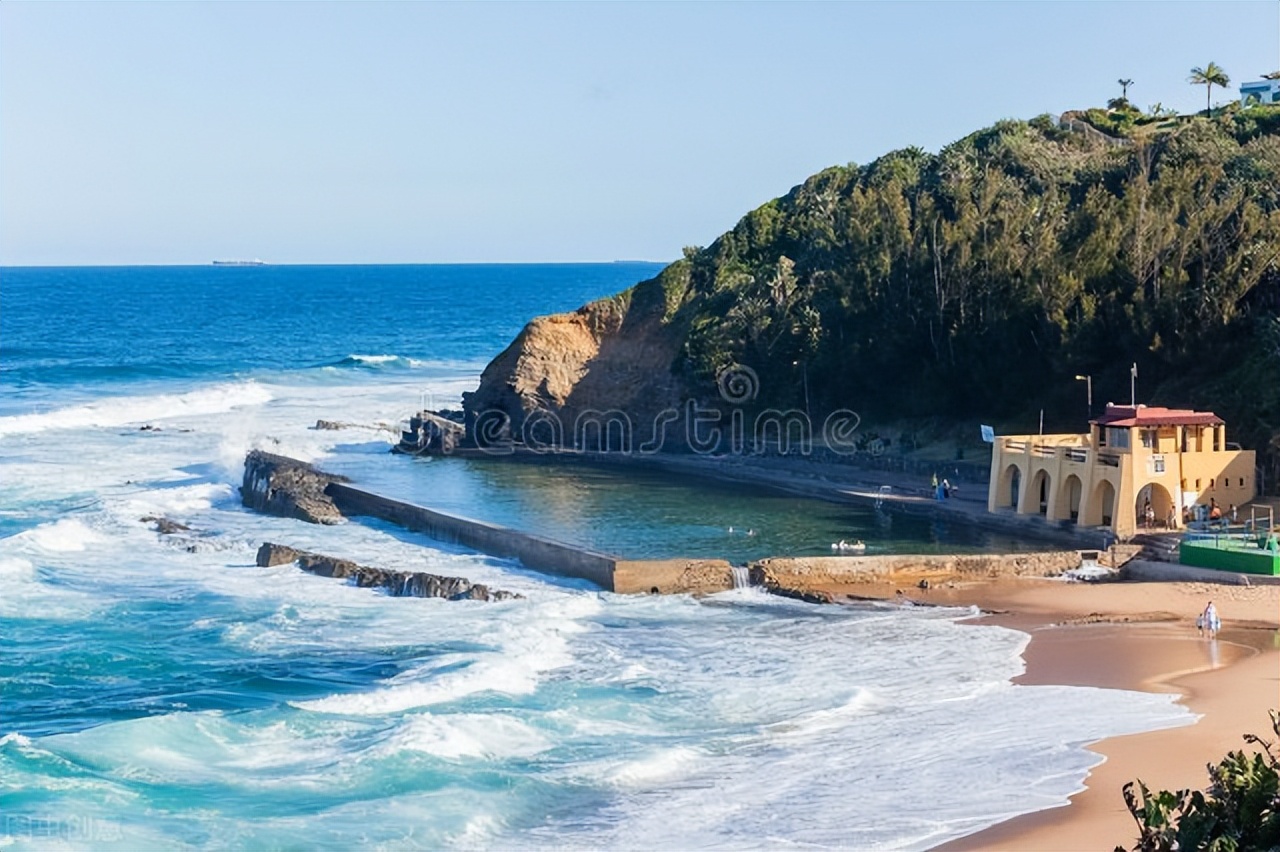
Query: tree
[[1209, 76], [1125, 83]]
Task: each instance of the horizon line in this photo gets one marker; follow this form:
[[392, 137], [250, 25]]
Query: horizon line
[[255, 264]]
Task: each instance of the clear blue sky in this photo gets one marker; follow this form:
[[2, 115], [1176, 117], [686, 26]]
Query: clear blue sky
[[421, 132]]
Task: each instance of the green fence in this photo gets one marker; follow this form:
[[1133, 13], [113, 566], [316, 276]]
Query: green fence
[[1231, 553]]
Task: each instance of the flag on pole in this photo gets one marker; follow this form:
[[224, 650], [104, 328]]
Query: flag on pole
[[1133, 371], [988, 434]]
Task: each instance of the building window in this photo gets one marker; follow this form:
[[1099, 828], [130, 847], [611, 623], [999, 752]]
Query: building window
[[1210, 484], [1149, 439], [1118, 438], [1157, 464], [1242, 482], [1197, 485]]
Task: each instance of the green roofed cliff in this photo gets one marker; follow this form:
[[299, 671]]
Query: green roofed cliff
[[974, 283]]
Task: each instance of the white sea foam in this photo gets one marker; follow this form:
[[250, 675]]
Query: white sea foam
[[63, 536], [528, 640], [376, 359], [15, 570], [122, 411], [489, 736], [657, 767]]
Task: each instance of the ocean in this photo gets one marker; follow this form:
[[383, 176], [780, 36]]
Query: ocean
[[163, 692]]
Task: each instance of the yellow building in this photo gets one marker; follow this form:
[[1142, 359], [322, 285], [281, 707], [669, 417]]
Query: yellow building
[[1138, 467]]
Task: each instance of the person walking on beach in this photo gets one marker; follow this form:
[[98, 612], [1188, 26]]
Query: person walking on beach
[[1209, 621]]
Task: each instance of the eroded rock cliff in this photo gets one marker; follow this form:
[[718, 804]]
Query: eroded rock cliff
[[603, 373]]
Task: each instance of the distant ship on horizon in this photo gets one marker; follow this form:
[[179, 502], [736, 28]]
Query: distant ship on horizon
[[254, 262]]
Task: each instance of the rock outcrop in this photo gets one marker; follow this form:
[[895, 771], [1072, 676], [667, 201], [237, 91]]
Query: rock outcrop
[[566, 376], [430, 433], [166, 526], [289, 488], [396, 583]]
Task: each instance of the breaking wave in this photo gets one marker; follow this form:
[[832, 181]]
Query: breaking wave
[[127, 410]]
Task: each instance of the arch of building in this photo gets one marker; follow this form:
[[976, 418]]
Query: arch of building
[[1067, 506], [1161, 504], [1036, 494], [1100, 510], [1010, 482]]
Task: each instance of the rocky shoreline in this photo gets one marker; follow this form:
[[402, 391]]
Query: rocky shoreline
[[396, 583]]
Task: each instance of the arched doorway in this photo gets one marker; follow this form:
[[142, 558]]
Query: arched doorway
[[1068, 507], [1154, 506], [1007, 490], [1102, 507], [1041, 488]]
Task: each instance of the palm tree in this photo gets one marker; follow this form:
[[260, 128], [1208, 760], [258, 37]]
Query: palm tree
[[1124, 88], [1209, 76]]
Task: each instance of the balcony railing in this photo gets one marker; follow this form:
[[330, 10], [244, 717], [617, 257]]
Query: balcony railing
[[1074, 454]]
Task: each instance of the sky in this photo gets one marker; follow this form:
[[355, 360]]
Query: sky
[[401, 132]]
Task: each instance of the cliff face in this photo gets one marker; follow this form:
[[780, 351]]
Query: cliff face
[[566, 377]]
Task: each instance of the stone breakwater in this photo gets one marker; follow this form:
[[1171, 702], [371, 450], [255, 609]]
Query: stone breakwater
[[279, 485], [287, 487], [396, 583]]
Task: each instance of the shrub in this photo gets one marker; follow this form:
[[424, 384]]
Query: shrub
[[1239, 811]]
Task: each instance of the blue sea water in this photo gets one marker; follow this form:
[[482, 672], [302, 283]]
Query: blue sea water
[[163, 692]]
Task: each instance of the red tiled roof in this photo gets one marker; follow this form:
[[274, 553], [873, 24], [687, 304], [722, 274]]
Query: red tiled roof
[[1145, 415]]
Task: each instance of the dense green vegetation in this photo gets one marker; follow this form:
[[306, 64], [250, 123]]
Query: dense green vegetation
[[979, 281], [1239, 811]]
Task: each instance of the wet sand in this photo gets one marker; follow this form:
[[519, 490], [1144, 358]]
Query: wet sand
[[1129, 636]]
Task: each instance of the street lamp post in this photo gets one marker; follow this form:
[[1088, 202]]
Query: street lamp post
[[804, 367], [1088, 386]]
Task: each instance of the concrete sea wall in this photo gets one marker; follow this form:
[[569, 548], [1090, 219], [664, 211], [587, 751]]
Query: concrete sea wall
[[802, 573], [662, 576]]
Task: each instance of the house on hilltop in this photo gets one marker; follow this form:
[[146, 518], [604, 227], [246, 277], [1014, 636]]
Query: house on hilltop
[[1266, 91], [1137, 466]]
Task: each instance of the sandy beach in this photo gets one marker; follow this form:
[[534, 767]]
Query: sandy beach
[[1128, 636]]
